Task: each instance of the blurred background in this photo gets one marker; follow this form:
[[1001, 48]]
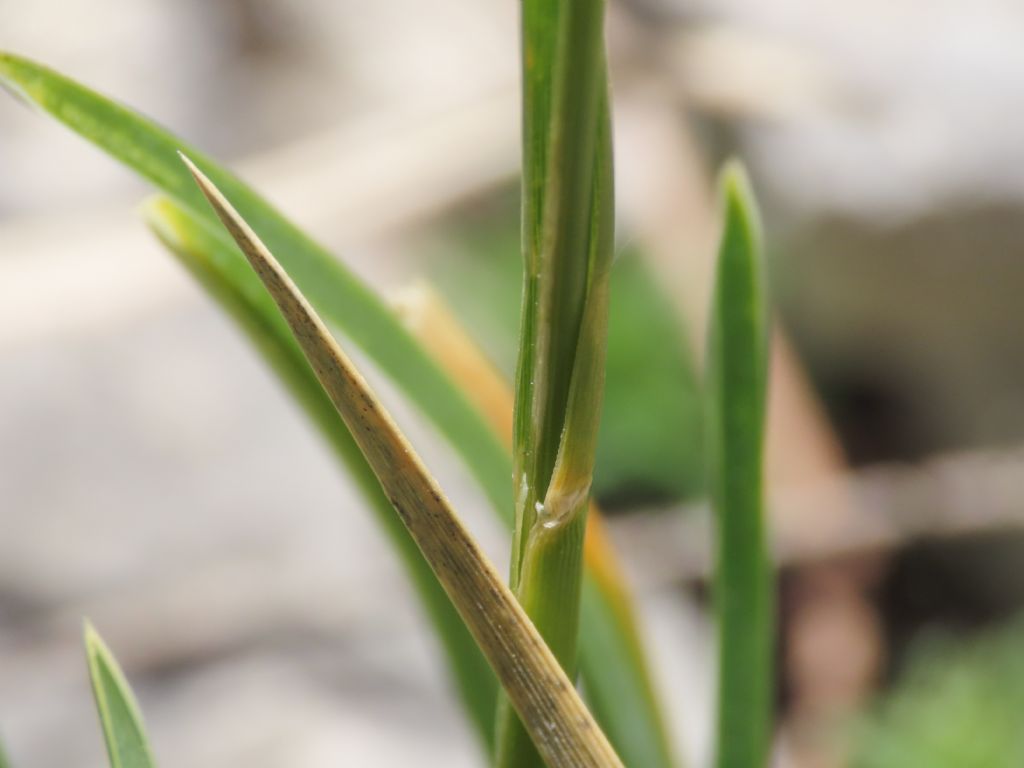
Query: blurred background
[[155, 478]]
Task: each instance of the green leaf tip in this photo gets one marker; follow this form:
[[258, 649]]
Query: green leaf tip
[[10, 63], [740, 304], [739, 202], [23, 73], [11, 82], [119, 714]]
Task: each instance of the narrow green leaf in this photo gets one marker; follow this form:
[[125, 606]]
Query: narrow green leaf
[[736, 370], [119, 714], [4, 762], [559, 723], [347, 304], [243, 296]]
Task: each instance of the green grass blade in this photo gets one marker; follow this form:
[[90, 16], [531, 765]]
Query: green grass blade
[[560, 725], [340, 297], [245, 299], [4, 762], [123, 729], [737, 360]]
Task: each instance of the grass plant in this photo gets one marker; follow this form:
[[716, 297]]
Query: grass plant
[[513, 651]]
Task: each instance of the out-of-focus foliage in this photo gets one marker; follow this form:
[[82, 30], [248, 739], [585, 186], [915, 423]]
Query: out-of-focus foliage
[[957, 705], [651, 433]]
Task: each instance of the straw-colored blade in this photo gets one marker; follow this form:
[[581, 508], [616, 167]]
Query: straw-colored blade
[[235, 287], [562, 728], [119, 714]]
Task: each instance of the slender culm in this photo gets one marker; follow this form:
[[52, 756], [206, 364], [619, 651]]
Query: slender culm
[[568, 211]]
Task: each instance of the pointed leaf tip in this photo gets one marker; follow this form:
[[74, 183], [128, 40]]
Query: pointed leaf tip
[[738, 200], [188, 162], [123, 730], [205, 184], [736, 375], [91, 638]]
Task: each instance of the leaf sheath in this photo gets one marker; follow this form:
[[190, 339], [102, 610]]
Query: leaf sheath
[[568, 215]]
